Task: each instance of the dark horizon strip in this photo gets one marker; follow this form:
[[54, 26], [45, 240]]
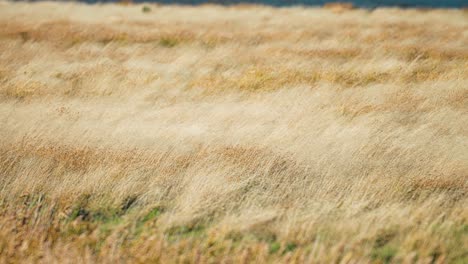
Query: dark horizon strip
[[280, 3]]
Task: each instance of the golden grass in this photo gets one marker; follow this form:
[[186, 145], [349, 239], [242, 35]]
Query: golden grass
[[232, 134]]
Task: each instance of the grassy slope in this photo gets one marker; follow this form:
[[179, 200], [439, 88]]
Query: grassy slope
[[238, 134]]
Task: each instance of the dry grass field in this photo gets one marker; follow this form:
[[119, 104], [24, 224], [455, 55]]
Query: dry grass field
[[208, 134]]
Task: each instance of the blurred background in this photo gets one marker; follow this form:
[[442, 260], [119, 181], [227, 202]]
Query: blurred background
[[357, 3]]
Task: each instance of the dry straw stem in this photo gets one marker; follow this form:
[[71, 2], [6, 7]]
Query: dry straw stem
[[232, 134]]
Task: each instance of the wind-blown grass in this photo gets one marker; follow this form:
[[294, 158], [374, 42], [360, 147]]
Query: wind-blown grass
[[237, 134]]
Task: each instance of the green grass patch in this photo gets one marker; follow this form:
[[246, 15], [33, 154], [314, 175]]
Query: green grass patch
[[146, 9], [168, 42], [289, 247], [382, 249], [153, 214], [196, 230], [274, 247], [150, 216], [384, 254]]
